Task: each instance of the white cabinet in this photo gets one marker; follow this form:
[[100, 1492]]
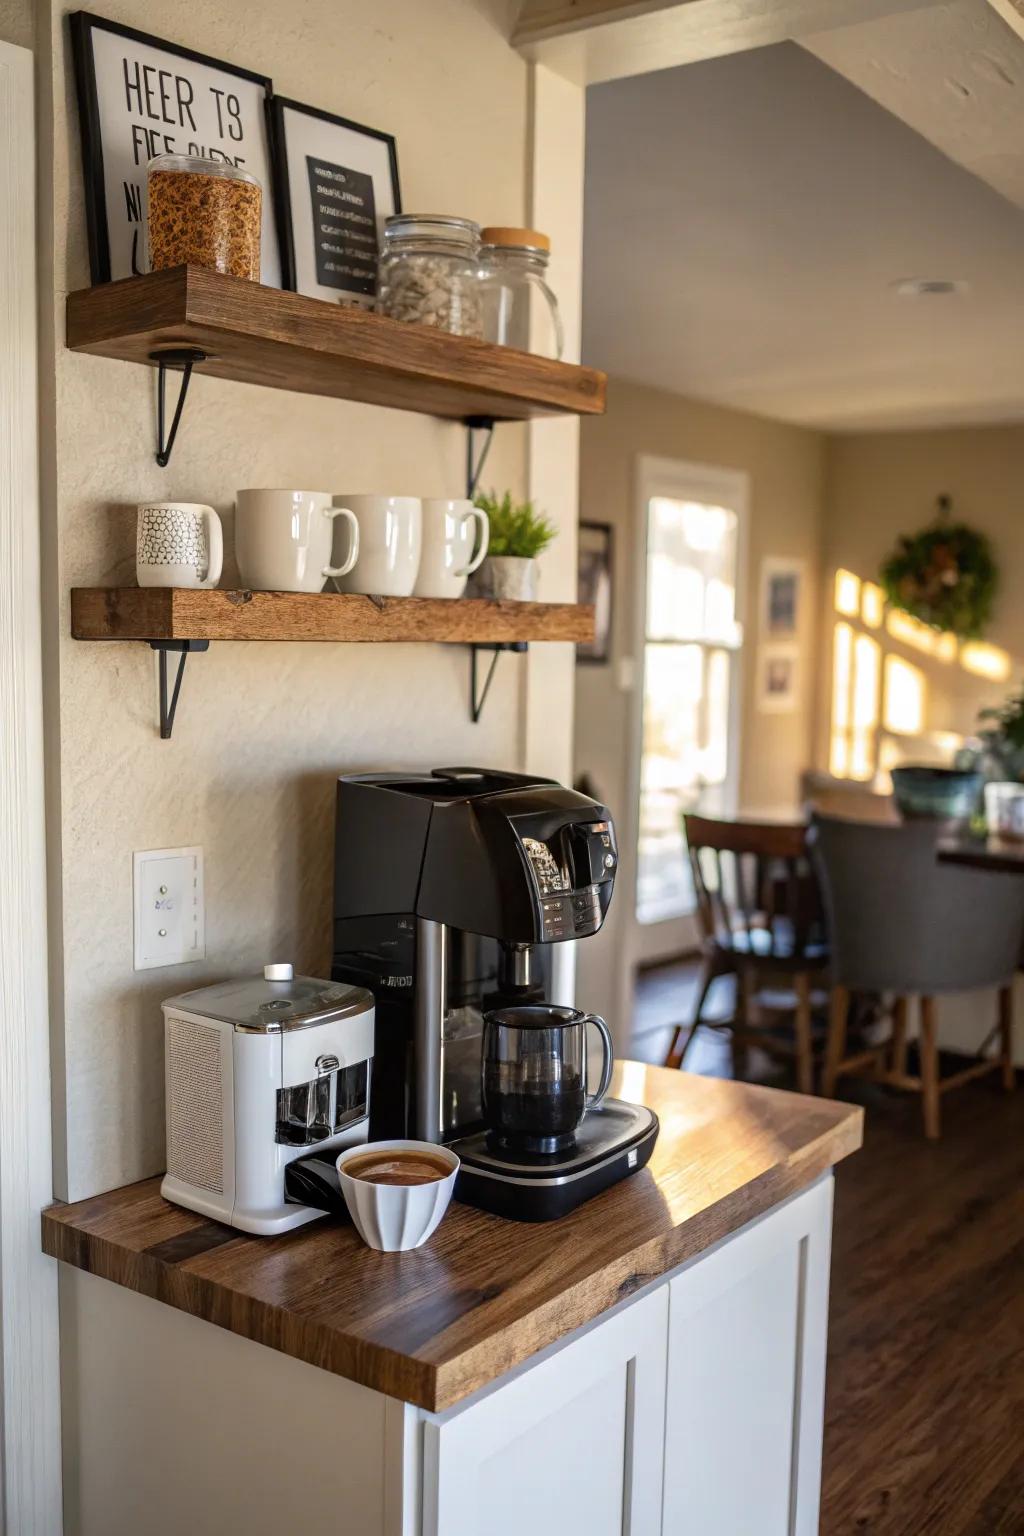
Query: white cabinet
[[746, 1379], [693, 1410], [572, 1447]]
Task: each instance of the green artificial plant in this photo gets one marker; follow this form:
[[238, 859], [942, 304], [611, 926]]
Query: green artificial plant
[[517, 528]]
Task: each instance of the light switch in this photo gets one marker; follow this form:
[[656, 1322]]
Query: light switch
[[170, 918]]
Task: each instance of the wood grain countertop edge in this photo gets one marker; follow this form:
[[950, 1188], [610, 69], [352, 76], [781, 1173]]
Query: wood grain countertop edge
[[439, 1384], [475, 1368]]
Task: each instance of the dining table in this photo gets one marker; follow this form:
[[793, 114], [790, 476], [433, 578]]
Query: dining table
[[999, 855]]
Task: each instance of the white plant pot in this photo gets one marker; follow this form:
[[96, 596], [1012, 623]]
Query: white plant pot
[[508, 576]]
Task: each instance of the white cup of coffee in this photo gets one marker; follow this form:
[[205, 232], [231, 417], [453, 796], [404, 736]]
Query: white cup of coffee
[[397, 1191], [450, 531], [178, 544], [283, 539], [390, 535]]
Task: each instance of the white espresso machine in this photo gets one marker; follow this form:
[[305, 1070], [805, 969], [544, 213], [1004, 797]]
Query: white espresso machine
[[261, 1071]]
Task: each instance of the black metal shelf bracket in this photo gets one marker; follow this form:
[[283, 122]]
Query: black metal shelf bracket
[[475, 460], [183, 648], [171, 357], [478, 695]]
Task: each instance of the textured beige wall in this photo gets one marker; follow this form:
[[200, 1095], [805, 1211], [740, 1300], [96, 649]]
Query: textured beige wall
[[262, 730], [18, 22], [882, 484], [785, 466]]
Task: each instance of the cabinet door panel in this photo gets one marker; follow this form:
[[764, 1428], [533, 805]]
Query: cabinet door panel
[[746, 1379], [571, 1447]]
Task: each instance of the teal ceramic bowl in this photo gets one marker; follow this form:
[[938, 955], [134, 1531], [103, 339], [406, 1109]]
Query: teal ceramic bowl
[[942, 794]]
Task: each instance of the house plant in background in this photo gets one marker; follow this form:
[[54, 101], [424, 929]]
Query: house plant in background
[[997, 753], [519, 533]]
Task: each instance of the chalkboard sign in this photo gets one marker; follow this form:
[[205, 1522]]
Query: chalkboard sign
[[139, 97], [336, 183]]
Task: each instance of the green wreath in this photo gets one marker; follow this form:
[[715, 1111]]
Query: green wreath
[[946, 576]]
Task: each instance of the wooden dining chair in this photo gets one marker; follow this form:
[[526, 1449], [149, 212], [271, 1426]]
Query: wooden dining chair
[[907, 927], [759, 913]]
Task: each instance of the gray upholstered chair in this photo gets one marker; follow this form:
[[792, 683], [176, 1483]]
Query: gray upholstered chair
[[902, 924]]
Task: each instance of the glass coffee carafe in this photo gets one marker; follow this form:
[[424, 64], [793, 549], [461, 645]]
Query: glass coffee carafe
[[534, 1076]]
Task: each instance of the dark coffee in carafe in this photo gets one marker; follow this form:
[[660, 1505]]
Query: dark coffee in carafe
[[534, 1076]]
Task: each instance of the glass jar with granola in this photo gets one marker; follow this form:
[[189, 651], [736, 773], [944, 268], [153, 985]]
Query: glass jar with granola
[[204, 213]]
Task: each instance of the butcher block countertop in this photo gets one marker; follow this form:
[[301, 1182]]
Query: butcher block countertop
[[483, 1295]]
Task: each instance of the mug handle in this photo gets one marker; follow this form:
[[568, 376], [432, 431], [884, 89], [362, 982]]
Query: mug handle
[[353, 554], [215, 541], [485, 539], [594, 1101]]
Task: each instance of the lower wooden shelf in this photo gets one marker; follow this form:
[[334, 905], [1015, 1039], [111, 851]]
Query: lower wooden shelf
[[180, 613]]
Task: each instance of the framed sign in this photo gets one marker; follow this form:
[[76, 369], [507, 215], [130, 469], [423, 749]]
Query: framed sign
[[139, 97], [594, 585], [336, 183]]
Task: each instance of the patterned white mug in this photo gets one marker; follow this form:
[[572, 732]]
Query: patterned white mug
[[178, 544]]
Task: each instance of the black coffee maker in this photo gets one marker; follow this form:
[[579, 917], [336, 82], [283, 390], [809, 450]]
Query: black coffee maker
[[454, 893]]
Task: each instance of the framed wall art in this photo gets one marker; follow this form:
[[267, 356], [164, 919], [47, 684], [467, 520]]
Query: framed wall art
[[139, 97], [594, 563], [336, 182], [778, 683], [782, 583]]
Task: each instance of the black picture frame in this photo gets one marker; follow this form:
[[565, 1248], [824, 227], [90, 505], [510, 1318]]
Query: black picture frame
[[277, 107], [83, 24], [596, 584]]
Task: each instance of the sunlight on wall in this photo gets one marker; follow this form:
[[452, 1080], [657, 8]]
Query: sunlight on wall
[[920, 637], [842, 666], [903, 712], [867, 661], [875, 692], [847, 593], [985, 660], [856, 667], [872, 605]]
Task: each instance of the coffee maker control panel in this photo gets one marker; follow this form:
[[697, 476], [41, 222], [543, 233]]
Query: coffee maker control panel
[[573, 872]]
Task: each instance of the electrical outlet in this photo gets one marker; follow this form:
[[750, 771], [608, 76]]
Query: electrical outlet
[[170, 916]]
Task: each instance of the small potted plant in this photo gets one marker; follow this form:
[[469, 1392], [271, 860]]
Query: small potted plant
[[998, 748], [518, 535]]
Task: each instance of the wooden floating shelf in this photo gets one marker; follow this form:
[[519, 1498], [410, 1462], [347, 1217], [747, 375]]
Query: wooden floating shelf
[[179, 613], [266, 336]]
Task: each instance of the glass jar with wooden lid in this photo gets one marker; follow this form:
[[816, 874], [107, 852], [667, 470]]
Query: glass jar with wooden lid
[[204, 213], [519, 309]]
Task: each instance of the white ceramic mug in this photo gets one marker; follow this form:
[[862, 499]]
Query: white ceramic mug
[[449, 533], [178, 544], [390, 535], [283, 539]]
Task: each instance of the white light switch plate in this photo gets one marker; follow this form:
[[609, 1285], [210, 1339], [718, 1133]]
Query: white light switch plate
[[170, 917]]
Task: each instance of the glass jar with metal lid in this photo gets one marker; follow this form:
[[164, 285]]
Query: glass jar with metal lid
[[428, 272], [204, 213], [519, 309]]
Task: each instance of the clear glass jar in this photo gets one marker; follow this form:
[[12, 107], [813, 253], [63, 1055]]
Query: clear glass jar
[[204, 213], [519, 308], [428, 273]]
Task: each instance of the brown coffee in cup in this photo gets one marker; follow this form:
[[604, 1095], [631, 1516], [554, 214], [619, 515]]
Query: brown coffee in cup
[[397, 1168]]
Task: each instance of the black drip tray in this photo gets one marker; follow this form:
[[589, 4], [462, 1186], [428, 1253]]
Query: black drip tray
[[612, 1143]]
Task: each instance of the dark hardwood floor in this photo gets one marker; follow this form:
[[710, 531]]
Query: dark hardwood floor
[[924, 1421]]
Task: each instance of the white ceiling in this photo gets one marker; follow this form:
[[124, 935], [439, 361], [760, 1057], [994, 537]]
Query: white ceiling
[[745, 219]]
